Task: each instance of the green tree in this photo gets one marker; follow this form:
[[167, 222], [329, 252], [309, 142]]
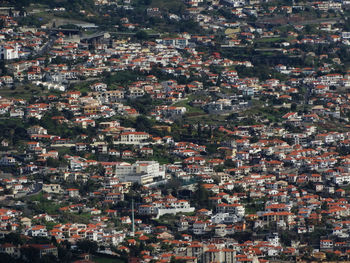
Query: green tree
[[200, 197], [141, 35], [199, 130], [4, 257], [143, 123], [51, 162], [229, 163], [189, 129], [13, 238], [87, 246], [30, 254], [173, 260]]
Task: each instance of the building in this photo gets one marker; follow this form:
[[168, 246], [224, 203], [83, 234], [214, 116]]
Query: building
[[162, 208], [10, 249], [44, 249], [37, 231], [219, 255], [8, 52], [142, 172], [52, 188], [73, 192], [132, 138], [7, 161]]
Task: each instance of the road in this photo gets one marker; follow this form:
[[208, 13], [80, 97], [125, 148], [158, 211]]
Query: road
[[318, 21], [297, 21], [47, 46], [133, 33], [38, 187]]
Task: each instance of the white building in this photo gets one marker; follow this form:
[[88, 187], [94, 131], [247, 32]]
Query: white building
[[52, 188], [178, 42], [132, 138], [340, 179], [345, 35], [235, 209], [8, 52], [37, 231], [224, 218], [142, 172], [7, 160], [200, 227], [99, 87], [178, 206], [235, 3]]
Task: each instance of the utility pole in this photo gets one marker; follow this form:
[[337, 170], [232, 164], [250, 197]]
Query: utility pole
[[132, 218]]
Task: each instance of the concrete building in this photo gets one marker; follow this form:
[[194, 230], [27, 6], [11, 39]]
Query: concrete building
[[8, 52], [142, 172], [132, 138]]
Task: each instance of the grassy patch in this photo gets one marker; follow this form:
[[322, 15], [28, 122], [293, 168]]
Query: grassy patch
[[269, 39], [187, 101], [273, 115], [22, 92], [189, 108], [274, 39], [209, 119], [168, 4], [167, 220], [42, 205], [83, 86]]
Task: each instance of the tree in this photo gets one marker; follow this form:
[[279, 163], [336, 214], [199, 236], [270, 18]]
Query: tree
[[219, 168], [288, 236], [19, 134], [143, 123], [67, 114], [88, 187], [238, 189], [141, 35], [173, 260], [254, 139], [30, 254], [200, 197], [4, 257], [210, 132], [142, 104], [87, 246], [64, 254], [174, 184], [229, 163], [189, 129], [3, 69], [51, 162], [13, 238], [199, 130], [50, 258], [241, 237]]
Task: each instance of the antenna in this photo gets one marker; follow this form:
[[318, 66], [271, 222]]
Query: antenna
[[132, 217]]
